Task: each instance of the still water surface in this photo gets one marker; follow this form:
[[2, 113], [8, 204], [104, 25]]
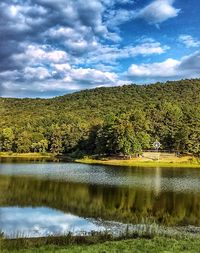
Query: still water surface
[[41, 198]]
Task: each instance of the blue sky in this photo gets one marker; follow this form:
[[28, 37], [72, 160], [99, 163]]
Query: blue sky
[[49, 48]]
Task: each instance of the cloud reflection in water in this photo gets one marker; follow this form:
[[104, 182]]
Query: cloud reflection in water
[[42, 221]]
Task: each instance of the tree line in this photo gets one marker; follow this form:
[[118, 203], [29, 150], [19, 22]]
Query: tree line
[[118, 120]]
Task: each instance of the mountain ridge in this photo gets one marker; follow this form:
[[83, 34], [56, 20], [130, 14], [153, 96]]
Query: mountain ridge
[[163, 111]]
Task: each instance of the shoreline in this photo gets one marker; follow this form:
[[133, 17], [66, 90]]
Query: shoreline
[[185, 162], [140, 163], [26, 155]]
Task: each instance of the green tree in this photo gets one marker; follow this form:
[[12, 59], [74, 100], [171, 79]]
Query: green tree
[[7, 138], [23, 142], [56, 140], [40, 146], [121, 136]]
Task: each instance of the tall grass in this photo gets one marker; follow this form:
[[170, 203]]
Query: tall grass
[[139, 231]]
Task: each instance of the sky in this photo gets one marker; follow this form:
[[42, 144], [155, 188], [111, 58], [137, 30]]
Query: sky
[[50, 48]]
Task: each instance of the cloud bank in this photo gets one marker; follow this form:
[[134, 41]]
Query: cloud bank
[[186, 67], [50, 47]]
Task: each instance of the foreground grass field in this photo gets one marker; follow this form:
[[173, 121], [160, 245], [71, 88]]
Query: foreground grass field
[[155, 245]]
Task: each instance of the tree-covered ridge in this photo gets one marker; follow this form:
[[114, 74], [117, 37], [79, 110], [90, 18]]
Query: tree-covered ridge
[[111, 120]]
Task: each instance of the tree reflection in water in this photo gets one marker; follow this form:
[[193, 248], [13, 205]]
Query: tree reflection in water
[[118, 203]]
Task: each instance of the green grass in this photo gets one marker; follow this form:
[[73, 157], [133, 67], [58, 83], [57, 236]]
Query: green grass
[[140, 163], [25, 155], [185, 162], [155, 245]]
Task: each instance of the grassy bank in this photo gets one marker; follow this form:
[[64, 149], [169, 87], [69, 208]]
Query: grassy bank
[[139, 245], [185, 162], [172, 161], [25, 155]]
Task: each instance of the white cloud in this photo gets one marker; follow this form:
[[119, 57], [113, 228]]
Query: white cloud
[[36, 73], [40, 54], [113, 2], [158, 69], [62, 67], [118, 17], [155, 13], [148, 49], [72, 45], [189, 41], [60, 77], [186, 67], [45, 53], [67, 32], [19, 15], [158, 11], [93, 76], [46, 69], [111, 54]]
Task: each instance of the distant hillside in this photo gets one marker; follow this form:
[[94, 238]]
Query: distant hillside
[[169, 112]]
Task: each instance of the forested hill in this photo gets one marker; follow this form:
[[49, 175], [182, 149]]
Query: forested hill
[[122, 119]]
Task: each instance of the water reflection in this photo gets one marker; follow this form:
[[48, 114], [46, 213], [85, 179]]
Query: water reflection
[[62, 196], [117, 203], [37, 222], [158, 180]]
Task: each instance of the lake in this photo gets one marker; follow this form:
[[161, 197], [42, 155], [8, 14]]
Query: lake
[[42, 198]]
